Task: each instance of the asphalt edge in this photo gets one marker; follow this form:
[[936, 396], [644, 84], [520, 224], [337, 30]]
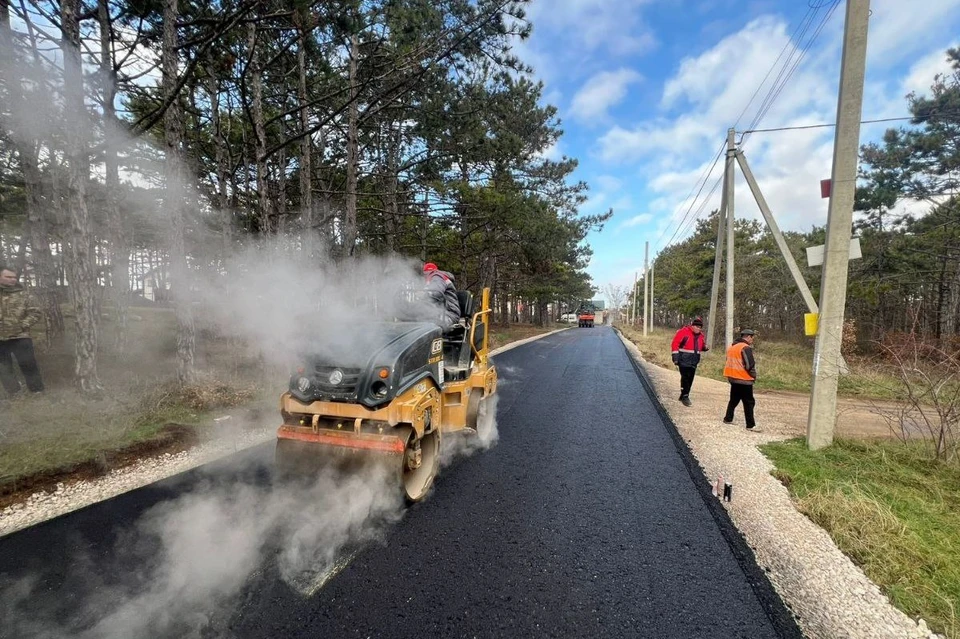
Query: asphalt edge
[[783, 621], [525, 340]]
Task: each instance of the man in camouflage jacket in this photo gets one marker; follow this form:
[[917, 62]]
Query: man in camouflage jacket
[[17, 314]]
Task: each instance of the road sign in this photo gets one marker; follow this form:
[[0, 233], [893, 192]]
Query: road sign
[[815, 253]]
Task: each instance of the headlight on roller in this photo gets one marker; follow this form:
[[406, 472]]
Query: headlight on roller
[[379, 389]]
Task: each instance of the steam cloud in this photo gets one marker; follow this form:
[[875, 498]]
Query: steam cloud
[[206, 544]]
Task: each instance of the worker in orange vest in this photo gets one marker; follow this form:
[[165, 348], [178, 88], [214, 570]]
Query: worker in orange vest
[[741, 371]]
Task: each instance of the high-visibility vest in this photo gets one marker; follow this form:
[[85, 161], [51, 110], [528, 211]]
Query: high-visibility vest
[[734, 367]]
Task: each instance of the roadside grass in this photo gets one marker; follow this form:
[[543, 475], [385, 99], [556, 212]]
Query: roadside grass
[[141, 405], [782, 366], [892, 510], [501, 334]]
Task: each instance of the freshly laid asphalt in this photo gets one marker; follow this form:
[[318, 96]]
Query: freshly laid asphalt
[[583, 521]]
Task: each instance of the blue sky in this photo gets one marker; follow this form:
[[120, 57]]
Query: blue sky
[[646, 90]]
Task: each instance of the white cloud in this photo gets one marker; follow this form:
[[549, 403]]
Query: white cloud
[[571, 37], [616, 28], [553, 152], [900, 30], [923, 71], [602, 91], [637, 220]]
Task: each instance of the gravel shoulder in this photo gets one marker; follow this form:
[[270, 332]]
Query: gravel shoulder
[[829, 595], [235, 435]]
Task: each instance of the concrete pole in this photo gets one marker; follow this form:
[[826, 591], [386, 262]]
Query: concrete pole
[[646, 283], [653, 267], [777, 235], [822, 417], [717, 263], [731, 199]]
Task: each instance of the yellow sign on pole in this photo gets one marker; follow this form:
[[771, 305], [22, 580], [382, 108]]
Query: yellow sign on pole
[[811, 322]]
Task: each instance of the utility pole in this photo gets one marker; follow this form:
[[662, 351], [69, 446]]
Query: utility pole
[[777, 235], [729, 181], [717, 262], [646, 283], [653, 296], [822, 417]]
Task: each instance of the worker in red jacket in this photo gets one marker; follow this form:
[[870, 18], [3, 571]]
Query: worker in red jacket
[[687, 345]]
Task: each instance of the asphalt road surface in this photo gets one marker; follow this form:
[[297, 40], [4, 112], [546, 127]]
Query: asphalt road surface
[[583, 521]]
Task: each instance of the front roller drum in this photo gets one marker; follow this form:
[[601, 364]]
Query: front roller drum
[[414, 462]]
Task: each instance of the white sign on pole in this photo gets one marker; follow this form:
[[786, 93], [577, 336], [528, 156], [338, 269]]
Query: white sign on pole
[[815, 253]]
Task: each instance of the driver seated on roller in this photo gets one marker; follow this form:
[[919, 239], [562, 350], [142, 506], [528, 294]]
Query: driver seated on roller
[[443, 294]]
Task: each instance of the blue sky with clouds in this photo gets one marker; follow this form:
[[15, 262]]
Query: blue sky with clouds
[[646, 90]]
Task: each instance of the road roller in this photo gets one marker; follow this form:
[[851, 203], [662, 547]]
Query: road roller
[[386, 392]]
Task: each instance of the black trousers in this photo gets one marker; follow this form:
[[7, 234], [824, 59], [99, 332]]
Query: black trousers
[[22, 350], [741, 393], [687, 374]]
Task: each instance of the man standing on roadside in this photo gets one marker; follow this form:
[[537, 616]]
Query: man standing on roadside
[[741, 372], [687, 345], [17, 314]]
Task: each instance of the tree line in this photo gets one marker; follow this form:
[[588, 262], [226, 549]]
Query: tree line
[[908, 279], [168, 133]]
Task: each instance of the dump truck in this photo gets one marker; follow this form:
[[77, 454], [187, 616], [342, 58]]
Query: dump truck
[[387, 393], [585, 316]]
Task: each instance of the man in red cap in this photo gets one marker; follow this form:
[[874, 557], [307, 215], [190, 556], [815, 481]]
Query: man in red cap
[[442, 292], [687, 345]]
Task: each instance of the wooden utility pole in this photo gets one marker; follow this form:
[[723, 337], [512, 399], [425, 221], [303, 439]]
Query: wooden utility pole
[[822, 416]]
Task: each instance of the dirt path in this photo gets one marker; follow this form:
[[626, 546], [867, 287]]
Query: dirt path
[[783, 412]]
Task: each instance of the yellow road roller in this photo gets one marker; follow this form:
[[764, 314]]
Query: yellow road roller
[[386, 392]]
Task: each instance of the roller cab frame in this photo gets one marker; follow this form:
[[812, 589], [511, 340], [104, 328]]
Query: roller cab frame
[[388, 393]]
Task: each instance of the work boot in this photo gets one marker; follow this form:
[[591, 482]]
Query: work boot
[[727, 421], [686, 401]]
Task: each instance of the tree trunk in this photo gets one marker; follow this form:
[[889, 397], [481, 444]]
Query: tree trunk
[[119, 249], [37, 224], [353, 152], [280, 191], [306, 159], [43, 266], [222, 159], [952, 325], [80, 261], [173, 138], [259, 130], [393, 195]]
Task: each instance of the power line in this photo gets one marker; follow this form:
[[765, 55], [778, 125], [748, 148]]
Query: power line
[[772, 94], [704, 179], [765, 108], [917, 118], [795, 49], [810, 12]]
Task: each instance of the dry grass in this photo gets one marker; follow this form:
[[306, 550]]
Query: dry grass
[[783, 366], [501, 335], [893, 511], [62, 428]]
